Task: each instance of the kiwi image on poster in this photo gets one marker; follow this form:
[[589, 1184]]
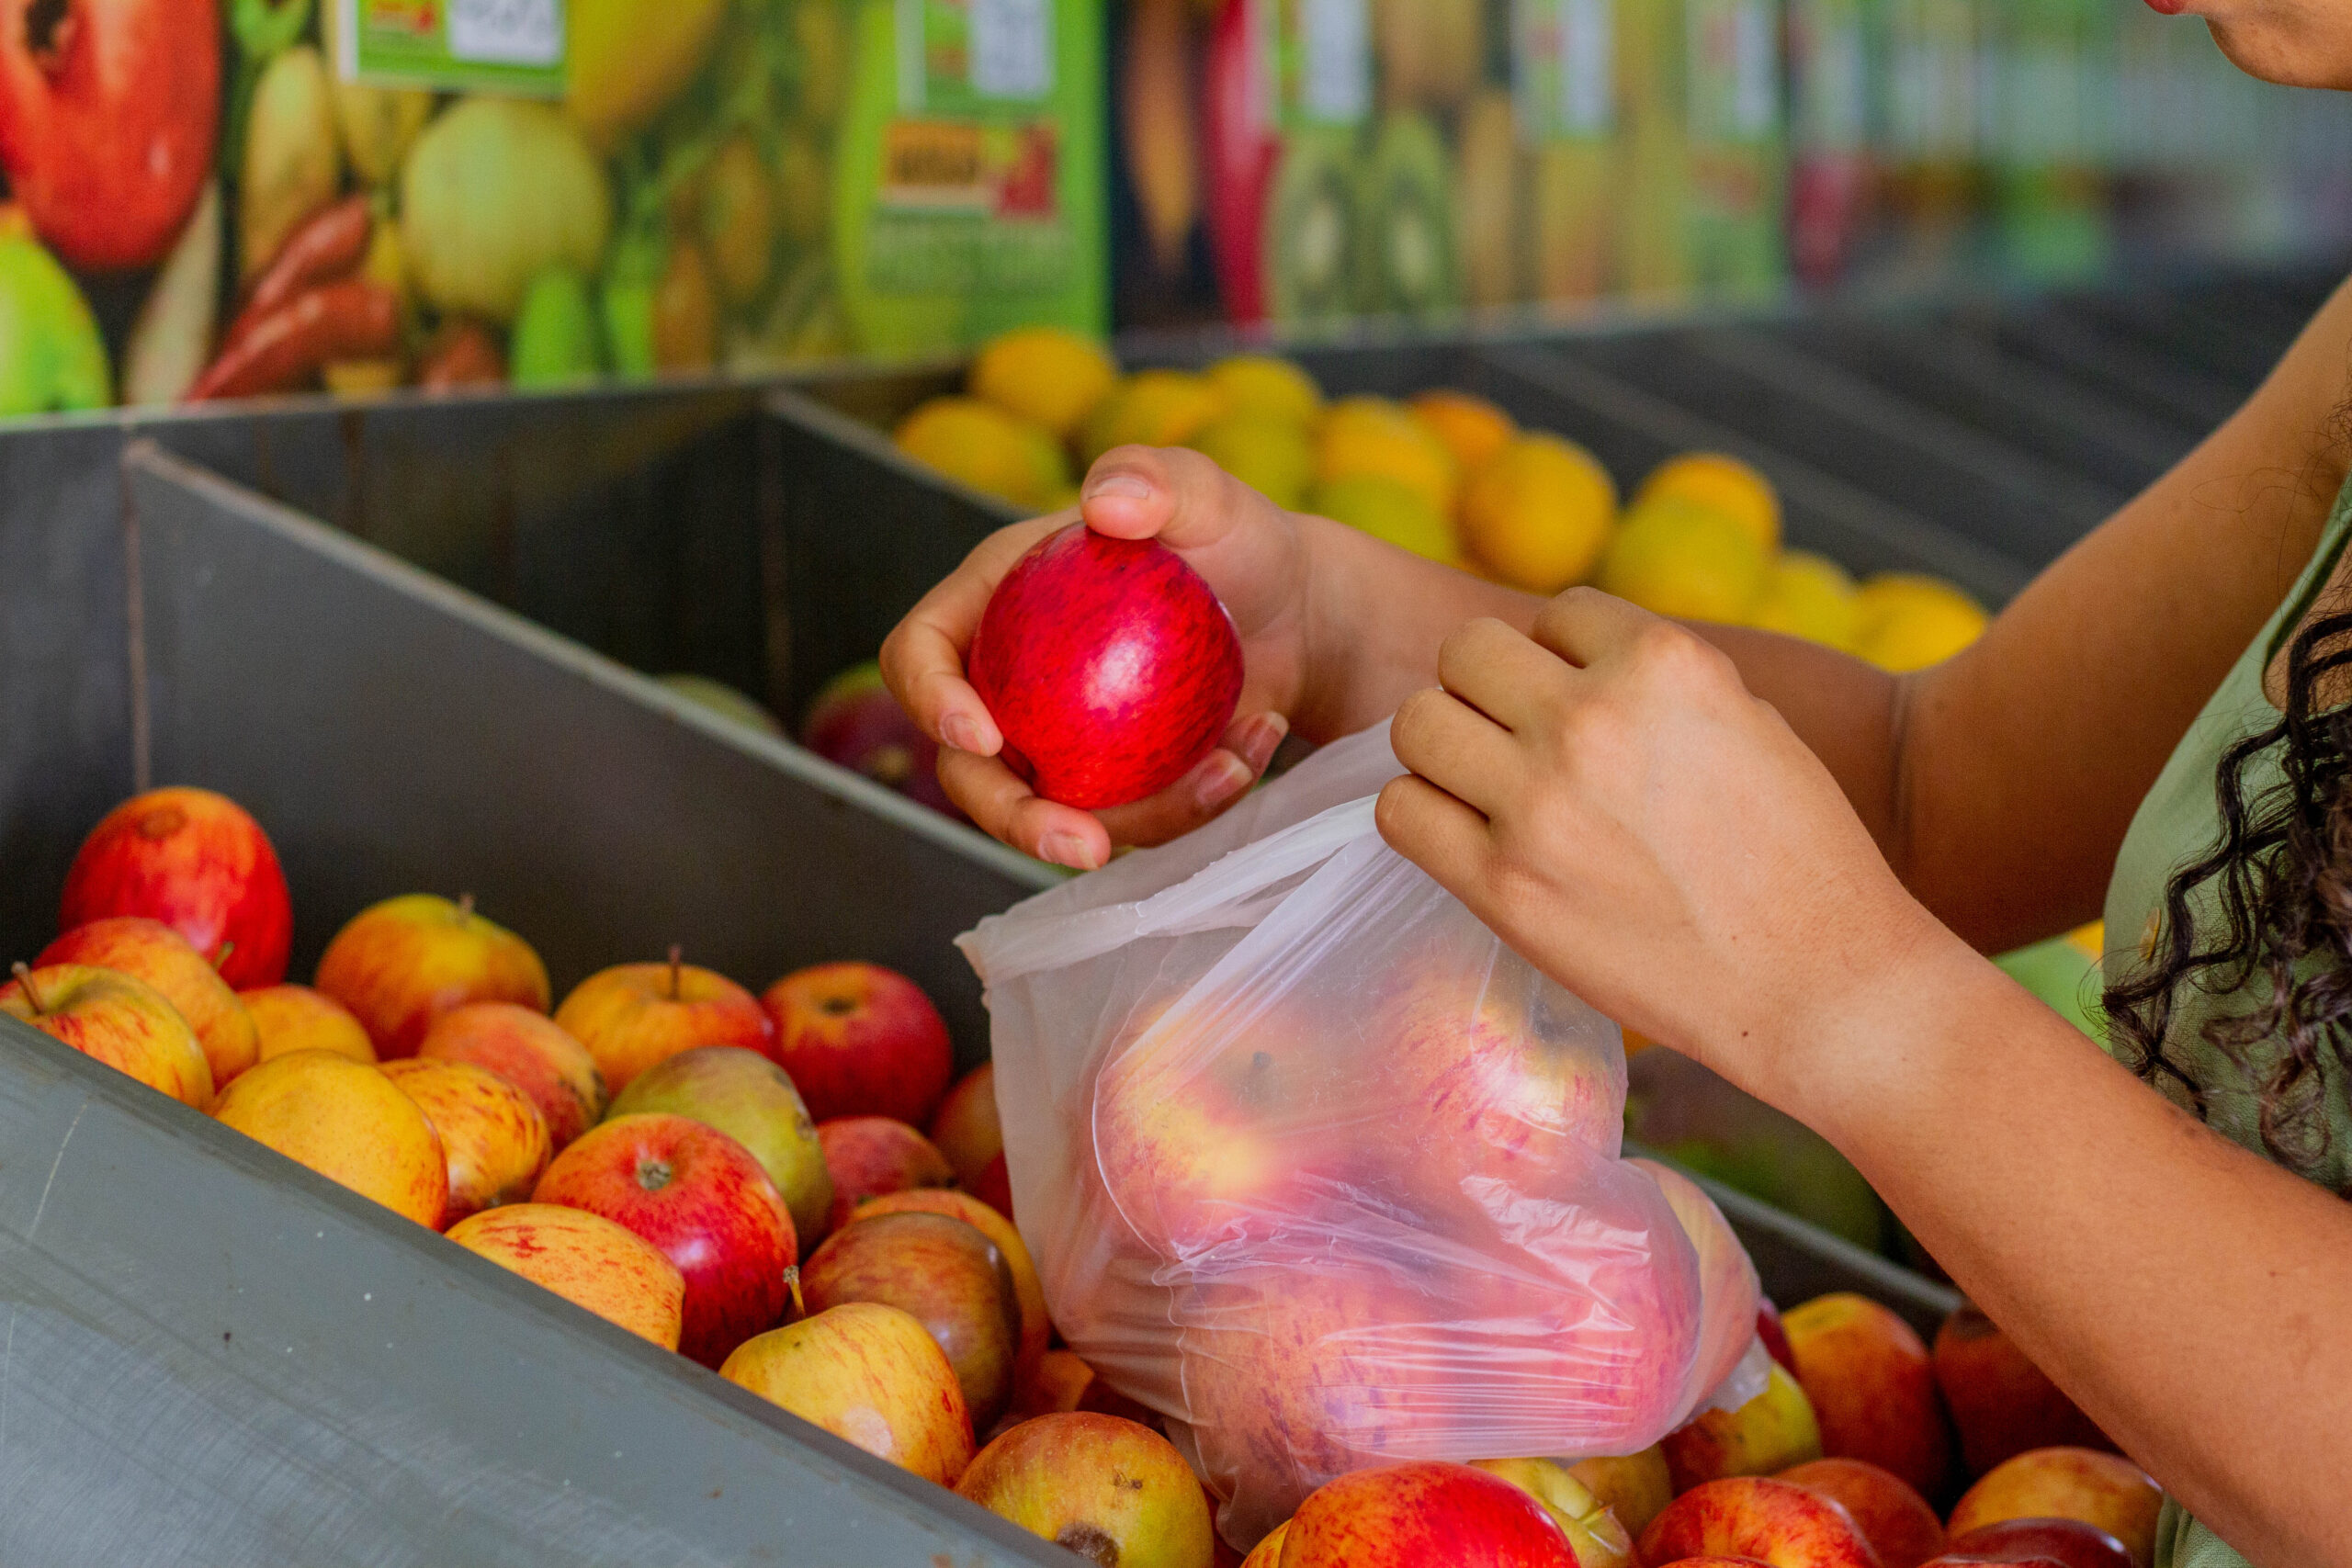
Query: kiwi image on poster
[[1408, 265], [1314, 228]]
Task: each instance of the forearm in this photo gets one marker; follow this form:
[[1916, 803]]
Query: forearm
[[2188, 1295]]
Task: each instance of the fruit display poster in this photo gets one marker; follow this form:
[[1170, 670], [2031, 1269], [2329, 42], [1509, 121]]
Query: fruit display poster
[[229, 198]]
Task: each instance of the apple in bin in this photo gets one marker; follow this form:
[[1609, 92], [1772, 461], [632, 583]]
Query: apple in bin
[[1766, 1435], [753, 1102], [1109, 666], [399, 965], [857, 722], [1727, 1278], [1599, 1539], [289, 1018], [586, 1259], [633, 1015], [965, 1128], [1036, 1328], [2102, 1489], [116, 1019], [1897, 1522], [492, 1138], [161, 956], [1777, 1522], [1872, 1387], [2001, 1403], [349, 1122], [700, 1198], [198, 863], [1775, 1338], [868, 1156], [530, 1051], [2064, 1543], [1424, 1511], [859, 1040], [1268, 1553], [1109, 1490], [949, 1276], [870, 1375], [1635, 1487]]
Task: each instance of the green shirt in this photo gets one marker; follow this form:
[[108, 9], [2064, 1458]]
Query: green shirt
[[2180, 819]]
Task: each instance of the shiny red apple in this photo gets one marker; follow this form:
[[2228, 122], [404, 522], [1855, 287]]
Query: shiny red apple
[[109, 109], [859, 1040], [2068, 1542], [196, 861], [948, 1275], [699, 1196], [1405, 1516], [868, 1156], [1108, 664]]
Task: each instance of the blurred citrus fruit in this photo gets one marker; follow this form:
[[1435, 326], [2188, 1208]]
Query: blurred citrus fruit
[[1910, 621], [1808, 596], [1150, 408], [1263, 385], [1050, 376], [1538, 513], [1674, 557], [989, 450], [1726, 484], [1273, 456], [1473, 429], [1388, 510], [1373, 435]]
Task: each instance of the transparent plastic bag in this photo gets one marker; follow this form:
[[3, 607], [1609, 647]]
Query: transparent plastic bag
[[1318, 1168]]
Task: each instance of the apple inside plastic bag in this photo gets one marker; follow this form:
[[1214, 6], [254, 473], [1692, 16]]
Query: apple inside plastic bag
[[1316, 1167]]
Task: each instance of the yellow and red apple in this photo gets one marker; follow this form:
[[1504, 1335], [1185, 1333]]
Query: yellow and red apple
[[349, 1122], [116, 1019], [530, 1051], [399, 965], [1421, 1512], [586, 1259], [493, 1137], [289, 1018], [965, 1128], [871, 1375], [945, 1273], [2097, 1488], [1109, 1490], [1872, 1387], [750, 1099], [1776, 1522], [1769, 1433], [633, 1015], [158, 955], [1036, 1331], [1897, 1522]]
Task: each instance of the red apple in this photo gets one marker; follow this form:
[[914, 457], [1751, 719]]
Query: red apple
[[1036, 1330], [586, 1259], [1595, 1533], [1776, 1522], [399, 965], [1109, 1490], [1897, 1522], [994, 1187], [492, 1138], [859, 1040], [289, 1018], [1108, 665], [1872, 1387], [1268, 1553], [192, 859], [857, 722], [633, 1015], [949, 1276], [161, 956], [2102, 1489], [965, 1128], [700, 1198], [530, 1051], [870, 1375], [1775, 1336], [1405, 1516], [1711, 1560], [868, 1156], [2001, 1402], [752, 1101], [2069, 1544], [1728, 1287], [116, 1019], [1766, 1435], [107, 113]]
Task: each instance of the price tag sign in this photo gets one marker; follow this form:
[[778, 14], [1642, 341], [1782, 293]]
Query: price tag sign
[[502, 46]]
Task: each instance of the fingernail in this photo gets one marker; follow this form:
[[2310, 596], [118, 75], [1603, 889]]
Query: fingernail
[[958, 731], [1126, 487], [1227, 776], [1265, 739], [1070, 850]]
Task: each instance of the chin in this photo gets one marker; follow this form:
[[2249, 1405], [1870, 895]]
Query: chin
[[2295, 44]]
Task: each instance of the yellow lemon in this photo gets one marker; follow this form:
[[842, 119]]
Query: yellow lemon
[[1150, 408], [1808, 596], [1730, 486], [1678, 558], [1539, 512], [1388, 510], [989, 450], [1910, 621], [1473, 429], [1273, 456], [1270, 387], [1373, 435], [1050, 376]]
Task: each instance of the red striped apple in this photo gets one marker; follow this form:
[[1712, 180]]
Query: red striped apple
[[1897, 1522], [870, 1375], [948, 1276], [868, 1156], [198, 863], [1777, 1522], [700, 1198], [116, 1019], [493, 1137], [2101, 1489], [530, 1051], [965, 1128], [1872, 1387], [2001, 1403], [752, 1101], [161, 956], [1109, 666], [399, 965], [859, 1040], [634, 1015], [1405, 1516], [1109, 1490], [1598, 1539], [289, 1018], [586, 1259], [1036, 1331]]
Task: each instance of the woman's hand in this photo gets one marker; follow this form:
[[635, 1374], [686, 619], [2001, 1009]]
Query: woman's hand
[[1251, 551], [1608, 797]]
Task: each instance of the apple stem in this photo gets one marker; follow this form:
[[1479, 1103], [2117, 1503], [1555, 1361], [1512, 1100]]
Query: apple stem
[[222, 956], [24, 974], [792, 1280], [677, 955], [464, 907]]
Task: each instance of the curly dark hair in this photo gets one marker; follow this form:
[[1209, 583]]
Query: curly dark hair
[[2282, 877]]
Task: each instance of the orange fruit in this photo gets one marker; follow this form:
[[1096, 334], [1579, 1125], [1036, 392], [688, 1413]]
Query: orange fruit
[[1539, 513], [1722, 484], [1473, 429], [1373, 435]]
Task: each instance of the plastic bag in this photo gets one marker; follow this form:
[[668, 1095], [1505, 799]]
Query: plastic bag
[[1318, 1168]]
